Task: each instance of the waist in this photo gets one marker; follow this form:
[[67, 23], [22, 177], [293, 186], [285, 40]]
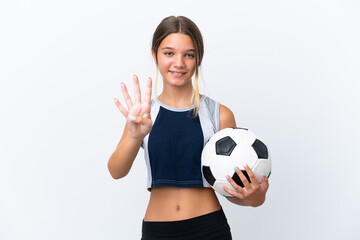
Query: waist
[[178, 203], [213, 225]]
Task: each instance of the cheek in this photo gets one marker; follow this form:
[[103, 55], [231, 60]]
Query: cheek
[[192, 66], [163, 64]]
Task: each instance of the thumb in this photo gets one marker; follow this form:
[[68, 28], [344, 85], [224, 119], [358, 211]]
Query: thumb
[[265, 181], [140, 120], [145, 120], [133, 119]]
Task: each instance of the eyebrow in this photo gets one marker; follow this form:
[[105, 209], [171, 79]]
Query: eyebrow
[[170, 48]]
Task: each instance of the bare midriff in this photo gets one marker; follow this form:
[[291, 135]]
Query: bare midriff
[[177, 203]]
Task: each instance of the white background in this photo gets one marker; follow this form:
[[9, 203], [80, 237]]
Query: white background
[[289, 70]]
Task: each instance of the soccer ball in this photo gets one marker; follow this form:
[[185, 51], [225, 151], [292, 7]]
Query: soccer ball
[[229, 148]]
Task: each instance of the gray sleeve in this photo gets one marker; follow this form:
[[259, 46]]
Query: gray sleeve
[[217, 116], [214, 110]]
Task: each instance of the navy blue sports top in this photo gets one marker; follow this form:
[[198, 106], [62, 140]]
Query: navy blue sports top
[[173, 147]]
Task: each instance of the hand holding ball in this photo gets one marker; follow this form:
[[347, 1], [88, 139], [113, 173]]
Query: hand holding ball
[[229, 148]]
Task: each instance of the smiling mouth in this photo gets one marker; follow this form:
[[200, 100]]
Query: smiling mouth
[[177, 74]]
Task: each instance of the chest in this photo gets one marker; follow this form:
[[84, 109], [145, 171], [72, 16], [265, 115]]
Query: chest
[[176, 131]]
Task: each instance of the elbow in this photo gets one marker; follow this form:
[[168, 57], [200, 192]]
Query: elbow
[[116, 177], [116, 174]]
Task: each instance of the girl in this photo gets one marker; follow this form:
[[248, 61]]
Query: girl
[[172, 129]]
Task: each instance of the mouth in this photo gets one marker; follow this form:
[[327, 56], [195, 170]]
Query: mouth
[[177, 74]]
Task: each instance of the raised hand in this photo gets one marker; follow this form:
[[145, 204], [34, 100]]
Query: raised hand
[[138, 113]]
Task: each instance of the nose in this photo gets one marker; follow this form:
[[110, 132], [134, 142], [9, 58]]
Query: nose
[[179, 61]]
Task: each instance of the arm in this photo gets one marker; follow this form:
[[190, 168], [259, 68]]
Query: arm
[[254, 193], [138, 125], [123, 157], [227, 118]]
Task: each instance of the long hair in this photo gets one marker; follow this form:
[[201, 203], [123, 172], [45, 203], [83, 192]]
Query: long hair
[[185, 26]]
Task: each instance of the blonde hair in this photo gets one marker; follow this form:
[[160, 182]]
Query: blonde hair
[[195, 96]]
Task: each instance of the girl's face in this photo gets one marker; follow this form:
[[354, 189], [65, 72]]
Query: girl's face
[[176, 59]]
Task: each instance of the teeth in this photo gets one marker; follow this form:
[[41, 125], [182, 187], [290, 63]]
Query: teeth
[[177, 74]]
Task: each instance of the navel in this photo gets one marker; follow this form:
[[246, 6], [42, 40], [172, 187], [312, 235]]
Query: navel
[[178, 207]]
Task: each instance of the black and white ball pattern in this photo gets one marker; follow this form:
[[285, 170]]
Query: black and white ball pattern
[[229, 148]]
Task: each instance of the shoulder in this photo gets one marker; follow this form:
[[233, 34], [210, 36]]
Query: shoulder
[[227, 118], [223, 116]]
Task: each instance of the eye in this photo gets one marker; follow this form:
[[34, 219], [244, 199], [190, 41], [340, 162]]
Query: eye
[[168, 53], [190, 55]]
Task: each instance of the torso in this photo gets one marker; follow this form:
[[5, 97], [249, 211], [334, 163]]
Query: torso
[[178, 190], [175, 203]]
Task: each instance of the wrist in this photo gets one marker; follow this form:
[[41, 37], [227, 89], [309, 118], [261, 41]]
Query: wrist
[[134, 140]]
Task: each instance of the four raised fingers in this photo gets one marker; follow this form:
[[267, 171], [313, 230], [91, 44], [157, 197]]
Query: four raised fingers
[[127, 98], [147, 100], [137, 89], [121, 108]]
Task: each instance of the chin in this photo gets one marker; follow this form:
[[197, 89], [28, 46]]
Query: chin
[[178, 81]]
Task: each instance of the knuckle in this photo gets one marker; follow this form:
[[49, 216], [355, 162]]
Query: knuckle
[[240, 174], [239, 189], [244, 180], [229, 191]]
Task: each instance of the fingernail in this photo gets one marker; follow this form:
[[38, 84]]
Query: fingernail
[[245, 165], [134, 75], [132, 118], [235, 168], [227, 177], [264, 175]]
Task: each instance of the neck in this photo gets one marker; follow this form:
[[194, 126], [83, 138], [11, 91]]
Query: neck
[[176, 96]]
